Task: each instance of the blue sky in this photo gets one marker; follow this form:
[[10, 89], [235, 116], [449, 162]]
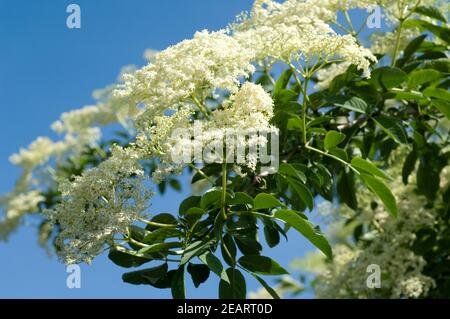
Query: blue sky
[[46, 69]]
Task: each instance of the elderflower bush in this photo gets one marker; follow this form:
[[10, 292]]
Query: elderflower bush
[[94, 192]]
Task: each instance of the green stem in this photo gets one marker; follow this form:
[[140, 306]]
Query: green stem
[[305, 101], [349, 21], [397, 42], [200, 106], [333, 157], [198, 170], [156, 224], [224, 190]]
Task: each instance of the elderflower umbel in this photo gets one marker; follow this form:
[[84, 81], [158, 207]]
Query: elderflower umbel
[[193, 67], [100, 203], [297, 31]]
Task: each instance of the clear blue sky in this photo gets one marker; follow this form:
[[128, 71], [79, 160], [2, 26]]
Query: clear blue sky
[[46, 69]]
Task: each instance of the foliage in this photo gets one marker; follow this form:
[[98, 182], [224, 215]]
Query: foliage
[[333, 141]]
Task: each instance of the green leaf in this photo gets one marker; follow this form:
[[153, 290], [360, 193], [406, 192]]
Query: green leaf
[[210, 198], [346, 189], [199, 273], [428, 179], [408, 166], [412, 46], [193, 215], [419, 77], [382, 191], [229, 250], [339, 152], [148, 276], [437, 93], [269, 289], [261, 265], [248, 245], [282, 81], [236, 288], [241, 198], [126, 259], [354, 104], [188, 203], [265, 201], [388, 77], [164, 219], [175, 184], [365, 166], [284, 97], [430, 12], [442, 106], [439, 31], [393, 128], [303, 192], [161, 234], [178, 284], [271, 234], [287, 170], [160, 247], [214, 265], [333, 139], [194, 249], [305, 228]]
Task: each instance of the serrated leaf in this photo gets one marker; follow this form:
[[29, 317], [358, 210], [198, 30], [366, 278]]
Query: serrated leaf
[[346, 189], [333, 139], [382, 191], [127, 259], [178, 284], [408, 166], [437, 93], [303, 192], [191, 201], [199, 273], [265, 201], [210, 198], [393, 128], [365, 166], [215, 265], [305, 228], [442, 106], [354, 104], [430, 12], [146, 276], [236, 288], [160, 235], [241, 198], [419, 77], [228, 248], [160, 247], [269, 289], [194, 249], [262, 265]]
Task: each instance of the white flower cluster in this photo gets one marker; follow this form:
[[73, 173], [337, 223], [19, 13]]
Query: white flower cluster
[[384, 43], [190, 68], [298, 31], [326, 75], [250, 109], [15, 207], [100, 203], [389, 247], [80, 131]]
